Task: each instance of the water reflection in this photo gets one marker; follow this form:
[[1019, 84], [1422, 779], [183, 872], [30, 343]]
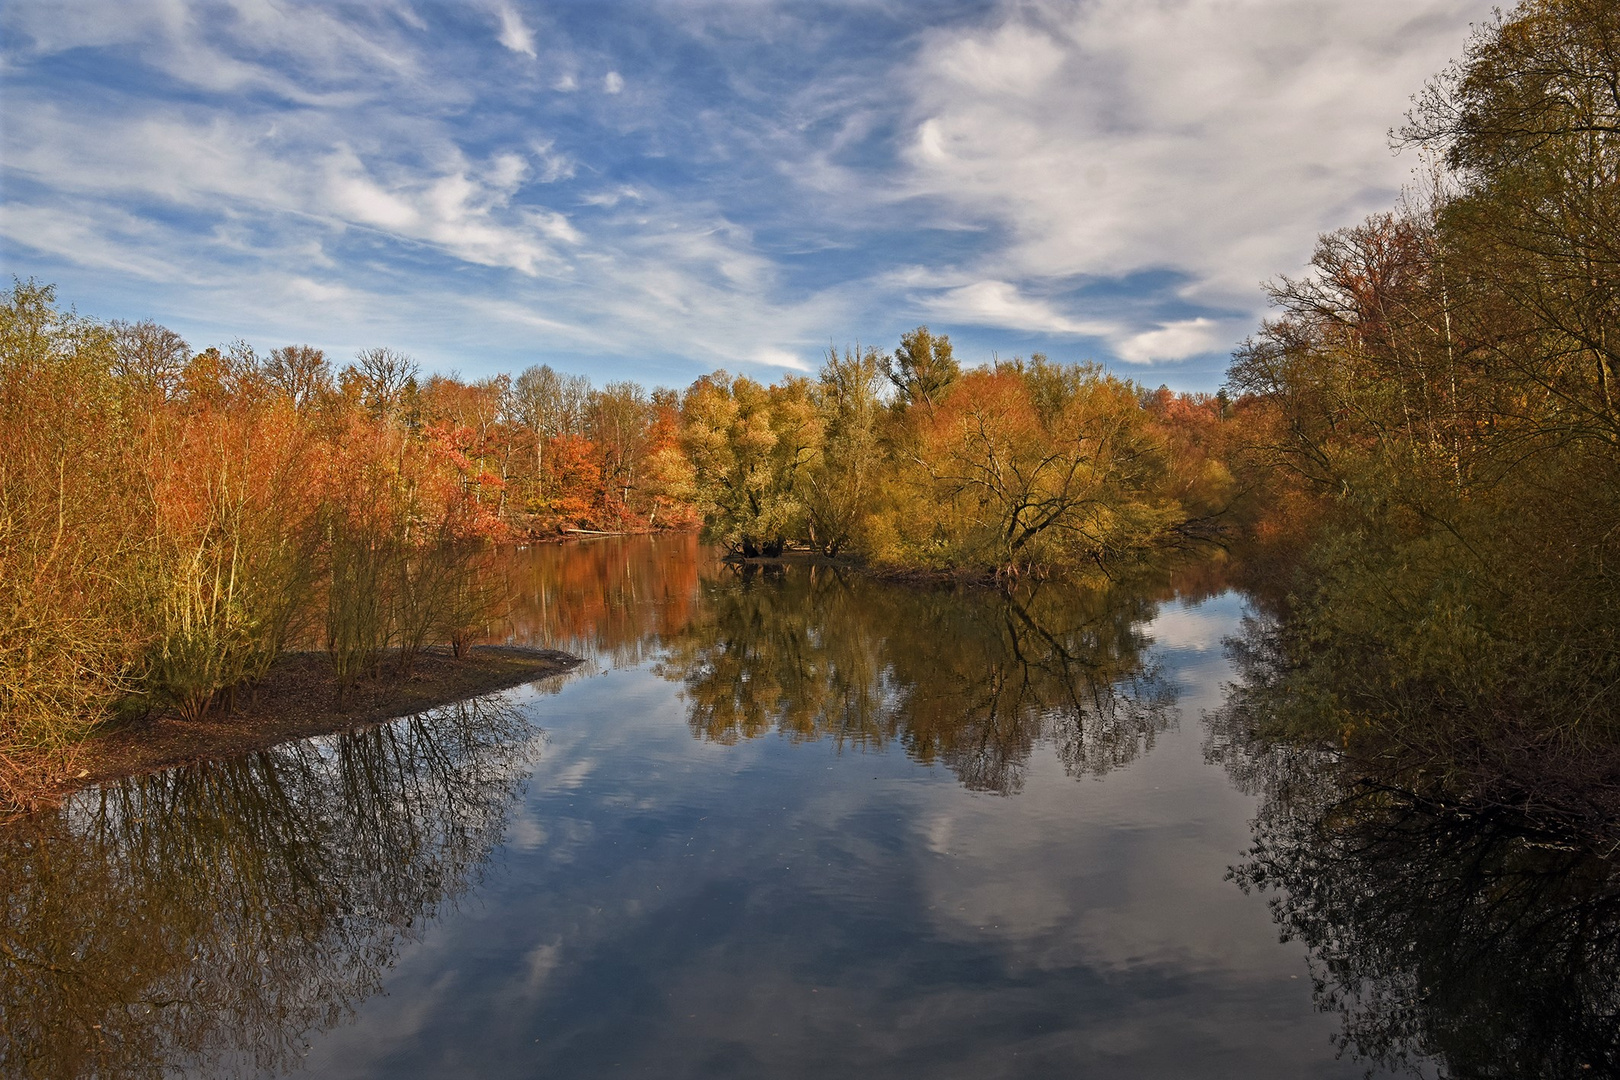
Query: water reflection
[[223, 913], [217, 918], [611, 600], [970, 678], [1452, 941]]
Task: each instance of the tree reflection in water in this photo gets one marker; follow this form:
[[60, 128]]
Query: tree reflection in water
[[971, 678], [610, 600], [217, 915], [1454, 941]]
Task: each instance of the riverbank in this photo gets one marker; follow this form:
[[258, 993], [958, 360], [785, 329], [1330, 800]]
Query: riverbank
[[1170, 566], [902, 575], [297, 700]]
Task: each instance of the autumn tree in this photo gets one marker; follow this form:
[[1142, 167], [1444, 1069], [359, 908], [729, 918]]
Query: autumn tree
[[670, 481], [617, 421], [67, 634], [1444, 381], [549, 406], [1038, 464], [386, 379], [1529, 123], [752, 450], [844, 490]]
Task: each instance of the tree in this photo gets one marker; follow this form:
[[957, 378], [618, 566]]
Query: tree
[[923, 369], [617, 419], [387, 377], [70, 537], [670, 479], [752, 450], [843, 490], [148, 356], [300, 373], [1038, 464], [548, 406], [1444, 378], [1529, 122]]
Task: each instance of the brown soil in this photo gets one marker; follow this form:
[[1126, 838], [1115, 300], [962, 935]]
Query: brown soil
[[296, 700]]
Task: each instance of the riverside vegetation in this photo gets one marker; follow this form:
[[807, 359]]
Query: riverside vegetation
[[1419, 452], [1444, 383], [173, 521]]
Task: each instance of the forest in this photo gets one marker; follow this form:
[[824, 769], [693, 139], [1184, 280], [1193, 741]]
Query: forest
[[1420, 453]]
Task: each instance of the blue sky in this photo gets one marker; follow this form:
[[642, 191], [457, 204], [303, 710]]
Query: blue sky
[[654, 190]]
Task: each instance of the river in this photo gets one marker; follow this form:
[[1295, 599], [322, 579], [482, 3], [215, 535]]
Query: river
[[792, 822]]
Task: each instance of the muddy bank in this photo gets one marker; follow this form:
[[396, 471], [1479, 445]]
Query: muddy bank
[[297, 700]]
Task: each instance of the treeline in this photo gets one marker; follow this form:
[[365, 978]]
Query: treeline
[[1444, 386], [171, 521], [910, 461]]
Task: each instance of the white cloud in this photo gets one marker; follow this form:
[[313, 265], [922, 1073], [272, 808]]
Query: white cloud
[[555, 227], [100, 237], [1209, 137], [614, 197], [320, 292], [1015, 59], [353, 195], [554, 165], [324, 59], [1055, 144], [234, 166], [1000, 304], [409, 17], [1172, 341], [514, 34], [781, 358]]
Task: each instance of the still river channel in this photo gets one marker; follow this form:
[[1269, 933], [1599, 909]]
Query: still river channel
[[781, 823]]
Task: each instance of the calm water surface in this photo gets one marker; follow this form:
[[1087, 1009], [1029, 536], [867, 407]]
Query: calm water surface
[[779, 824]]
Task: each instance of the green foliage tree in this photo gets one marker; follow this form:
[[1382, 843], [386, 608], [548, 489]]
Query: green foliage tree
[[753, 449], [923, 369], [1529, 123], [844, 491]]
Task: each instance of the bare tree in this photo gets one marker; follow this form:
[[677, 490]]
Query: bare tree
[[150, 355], [387, 375], [298, 371], [550, 405]]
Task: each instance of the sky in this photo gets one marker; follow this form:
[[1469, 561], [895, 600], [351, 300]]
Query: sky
[[655, 190]]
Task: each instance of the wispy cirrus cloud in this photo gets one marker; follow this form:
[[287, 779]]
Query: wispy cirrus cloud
[[701, 184], [515, 33]]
